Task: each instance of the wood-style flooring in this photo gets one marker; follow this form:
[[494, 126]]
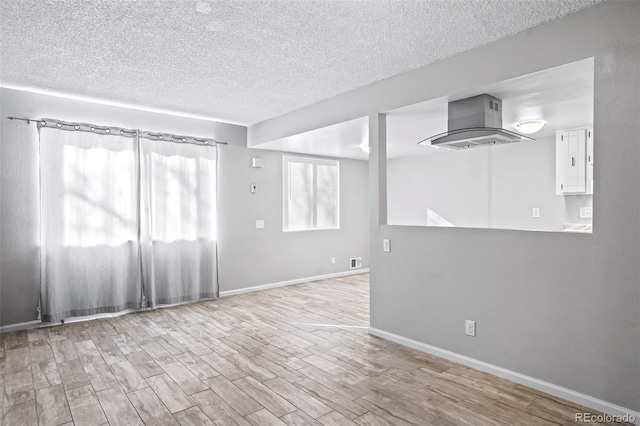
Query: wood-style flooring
[[297, 355]]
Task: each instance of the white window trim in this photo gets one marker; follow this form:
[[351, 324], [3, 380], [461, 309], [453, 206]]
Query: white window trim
[[315, 160]]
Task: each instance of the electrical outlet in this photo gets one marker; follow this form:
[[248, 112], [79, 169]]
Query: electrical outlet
[[586, 212], [386, 245], [333, 260], [259, 224], [535, 212], [470, 328]]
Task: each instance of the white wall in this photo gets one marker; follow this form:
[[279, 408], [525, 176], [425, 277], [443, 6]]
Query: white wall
[[490, 187], [247, 256], [560, 307], [456, 187]]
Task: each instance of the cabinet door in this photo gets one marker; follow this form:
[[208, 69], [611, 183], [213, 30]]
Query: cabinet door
[[561, 161], [571, 167], [575, 164], [589, 161], [581, 186]]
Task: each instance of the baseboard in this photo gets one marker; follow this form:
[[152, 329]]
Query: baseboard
[[292, 282], [532, 382], [19, 326]]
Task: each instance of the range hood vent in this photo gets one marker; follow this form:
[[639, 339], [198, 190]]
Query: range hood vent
[[474, 122]]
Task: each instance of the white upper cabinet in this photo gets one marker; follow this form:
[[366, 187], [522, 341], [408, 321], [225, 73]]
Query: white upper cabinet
[[574, 161]]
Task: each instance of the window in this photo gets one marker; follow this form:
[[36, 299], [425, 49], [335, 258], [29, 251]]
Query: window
[[310, 194]]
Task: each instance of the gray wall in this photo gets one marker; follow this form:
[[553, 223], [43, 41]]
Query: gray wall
[[247, 256], [19, 222], [250, 256], [491, 187], [564, 308]]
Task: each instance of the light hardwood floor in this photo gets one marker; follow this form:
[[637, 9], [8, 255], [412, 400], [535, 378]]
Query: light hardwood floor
[[297, 355]]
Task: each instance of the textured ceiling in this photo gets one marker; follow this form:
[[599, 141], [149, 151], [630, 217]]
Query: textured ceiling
[[242, 61]]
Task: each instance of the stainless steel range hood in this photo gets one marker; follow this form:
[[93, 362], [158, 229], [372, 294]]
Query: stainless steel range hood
[[472, 123]]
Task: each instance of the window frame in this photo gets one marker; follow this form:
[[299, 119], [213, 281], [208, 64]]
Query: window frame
[[286, 185]]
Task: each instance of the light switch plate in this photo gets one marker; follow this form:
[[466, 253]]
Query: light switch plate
[[253, 188], [386, 245], [259, 224], [586, 212]]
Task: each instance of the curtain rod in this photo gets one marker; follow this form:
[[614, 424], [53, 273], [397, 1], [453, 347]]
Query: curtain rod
[[147, 134]]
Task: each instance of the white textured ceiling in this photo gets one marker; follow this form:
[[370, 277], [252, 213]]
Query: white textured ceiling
[[242, 61], [562, 96]]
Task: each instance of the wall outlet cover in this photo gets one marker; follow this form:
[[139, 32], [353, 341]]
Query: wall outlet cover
[[535, 212], [470, 328], [386, 245], [259, 224]]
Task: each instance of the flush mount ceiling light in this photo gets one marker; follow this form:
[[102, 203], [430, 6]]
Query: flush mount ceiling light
[[364, 147], [530, 126]]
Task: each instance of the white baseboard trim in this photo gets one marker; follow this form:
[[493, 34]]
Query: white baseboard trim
[[532, 382], [292, 282], [19, 326]]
